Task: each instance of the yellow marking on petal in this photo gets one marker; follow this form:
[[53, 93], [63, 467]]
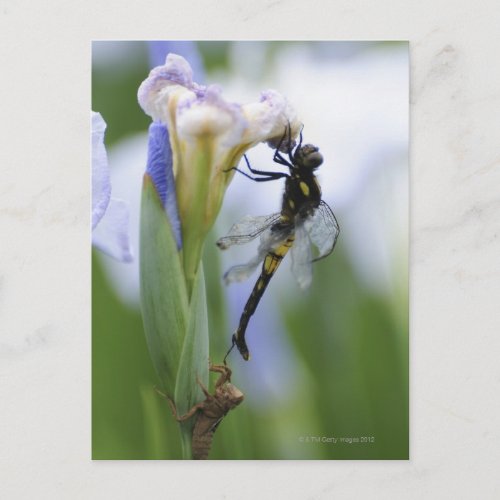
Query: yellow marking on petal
[[304, 188]]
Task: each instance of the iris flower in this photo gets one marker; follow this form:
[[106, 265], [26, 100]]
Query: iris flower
[[204, 136], [195, 140], [109, 215]]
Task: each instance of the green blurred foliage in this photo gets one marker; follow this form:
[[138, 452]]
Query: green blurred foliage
[[351, 342], [114, 92], [129, 419]]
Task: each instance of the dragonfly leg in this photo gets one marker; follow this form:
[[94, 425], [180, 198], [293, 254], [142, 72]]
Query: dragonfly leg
[[282, 139], [259, 172], [300, 137], [229, 350], [289, 142], [277, 156], [271, 176], [266, 175]]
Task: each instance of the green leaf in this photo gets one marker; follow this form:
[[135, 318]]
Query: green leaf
[[194, 360], [154, 428], [164, 300]]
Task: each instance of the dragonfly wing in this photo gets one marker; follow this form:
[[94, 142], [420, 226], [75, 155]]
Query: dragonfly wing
[[243, 271], [301, 257], [271, 238], [247, 229], [323, 230]]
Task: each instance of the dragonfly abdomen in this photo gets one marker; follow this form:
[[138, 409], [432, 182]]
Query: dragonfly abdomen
[[270, 265]]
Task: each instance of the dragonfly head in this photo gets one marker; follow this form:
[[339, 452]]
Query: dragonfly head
[[308, 156]]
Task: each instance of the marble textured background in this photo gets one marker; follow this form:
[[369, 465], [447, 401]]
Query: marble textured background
[[45, 260]]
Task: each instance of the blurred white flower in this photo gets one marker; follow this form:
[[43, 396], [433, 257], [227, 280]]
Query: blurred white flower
[[353, 99], [109, 215]]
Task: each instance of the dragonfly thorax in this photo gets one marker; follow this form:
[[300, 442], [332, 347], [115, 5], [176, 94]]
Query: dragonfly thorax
[[307, 157]]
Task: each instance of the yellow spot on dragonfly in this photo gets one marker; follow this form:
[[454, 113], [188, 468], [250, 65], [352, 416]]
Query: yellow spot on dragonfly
[[304, 188], [271, 263]]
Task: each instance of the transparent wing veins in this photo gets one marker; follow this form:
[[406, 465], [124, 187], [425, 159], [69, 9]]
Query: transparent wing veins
[[272, 236], [247, 229], [301, 257], [323, 230]]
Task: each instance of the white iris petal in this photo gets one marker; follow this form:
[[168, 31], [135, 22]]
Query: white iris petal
[[109, 216], [101, 186]]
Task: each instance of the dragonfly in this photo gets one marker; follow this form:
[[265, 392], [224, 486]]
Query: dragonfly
[[304, 219]]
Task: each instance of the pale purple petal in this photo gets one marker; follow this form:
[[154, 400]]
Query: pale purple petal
[[175, 71], [210, 114], [159, 49], [101, 186], [111, 235], [269, 118]]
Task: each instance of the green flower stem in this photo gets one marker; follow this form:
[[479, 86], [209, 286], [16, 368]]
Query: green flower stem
[[176, 327], [194, 360]]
